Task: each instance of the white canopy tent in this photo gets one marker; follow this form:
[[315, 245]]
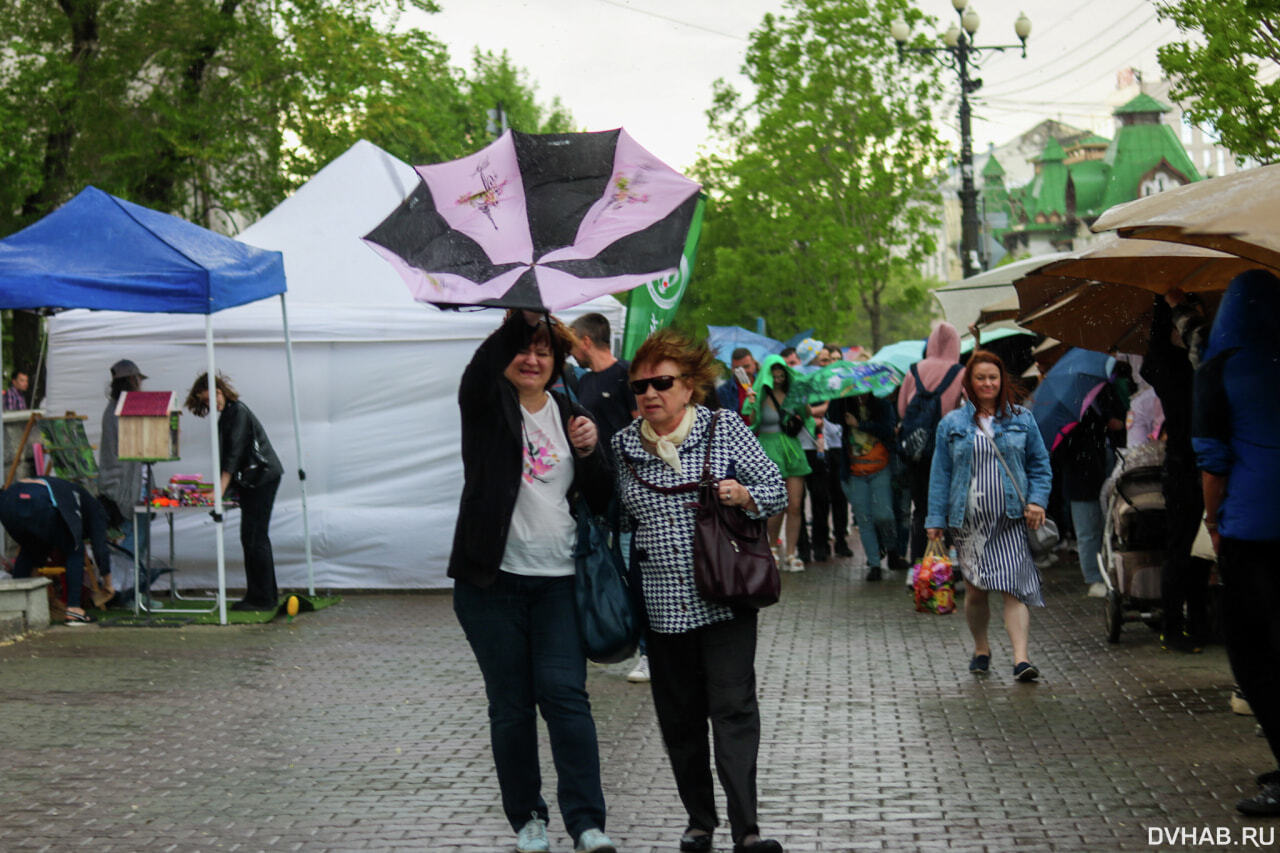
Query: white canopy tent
[[962, 301], [377, 375]]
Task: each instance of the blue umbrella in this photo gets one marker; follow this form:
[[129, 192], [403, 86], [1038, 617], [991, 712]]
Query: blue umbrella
[[1066, 391], [900, 356], [723, 340]]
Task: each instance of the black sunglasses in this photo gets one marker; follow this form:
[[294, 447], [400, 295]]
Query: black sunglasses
[[660, 383]]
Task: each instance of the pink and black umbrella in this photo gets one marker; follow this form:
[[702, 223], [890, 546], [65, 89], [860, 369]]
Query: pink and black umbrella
[[540, 222]]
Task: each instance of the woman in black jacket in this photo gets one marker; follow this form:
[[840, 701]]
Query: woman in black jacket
[[250, 466], [526, 452]]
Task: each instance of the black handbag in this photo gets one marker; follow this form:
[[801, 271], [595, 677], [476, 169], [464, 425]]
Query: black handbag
[[732, 561], [606, 618]]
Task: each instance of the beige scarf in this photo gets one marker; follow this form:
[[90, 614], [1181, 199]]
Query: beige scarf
[[664, 446]]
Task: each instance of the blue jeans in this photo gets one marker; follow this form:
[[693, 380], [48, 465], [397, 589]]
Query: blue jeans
[[1086, 516], [871, 499], [524, 633]]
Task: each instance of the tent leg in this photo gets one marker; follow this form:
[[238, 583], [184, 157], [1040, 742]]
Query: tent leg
[[217, 474], [297, 438]]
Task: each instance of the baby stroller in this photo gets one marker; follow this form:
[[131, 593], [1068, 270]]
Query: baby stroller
[[1133, 541]]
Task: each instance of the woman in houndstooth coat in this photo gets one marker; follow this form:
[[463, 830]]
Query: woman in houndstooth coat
[[701, 655]]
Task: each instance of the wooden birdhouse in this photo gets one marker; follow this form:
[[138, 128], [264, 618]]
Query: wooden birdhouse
[[148, 423]]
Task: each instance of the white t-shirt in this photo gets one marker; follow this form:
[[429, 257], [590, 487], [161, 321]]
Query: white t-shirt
[[540, 541]]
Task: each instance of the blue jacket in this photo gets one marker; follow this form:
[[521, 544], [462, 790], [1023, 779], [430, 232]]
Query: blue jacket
[[1018, 439], [1236, 418]]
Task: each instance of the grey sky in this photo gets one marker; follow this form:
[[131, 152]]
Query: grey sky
[[648, 65]]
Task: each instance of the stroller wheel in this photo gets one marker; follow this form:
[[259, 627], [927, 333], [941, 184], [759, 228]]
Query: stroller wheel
[[1114, 615]]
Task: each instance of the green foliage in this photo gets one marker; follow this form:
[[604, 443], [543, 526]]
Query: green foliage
[[215, 109], [1218, 71], [823, 203]]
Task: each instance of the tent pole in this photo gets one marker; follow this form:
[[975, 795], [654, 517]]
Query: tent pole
[[297, 439], [217, 473]]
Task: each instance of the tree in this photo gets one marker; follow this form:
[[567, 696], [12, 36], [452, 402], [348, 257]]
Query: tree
[[215, 109], [1218, 74], [828, 187]]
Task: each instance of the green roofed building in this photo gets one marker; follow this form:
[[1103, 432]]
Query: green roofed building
[[1073, 186]]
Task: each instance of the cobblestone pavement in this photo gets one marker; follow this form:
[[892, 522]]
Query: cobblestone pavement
[[363, 727]]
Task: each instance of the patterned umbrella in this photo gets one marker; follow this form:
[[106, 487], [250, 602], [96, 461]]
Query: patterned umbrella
[[540, 222], [845, 379]]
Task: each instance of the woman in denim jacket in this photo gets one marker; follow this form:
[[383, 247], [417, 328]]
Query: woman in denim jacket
[[970, 491]]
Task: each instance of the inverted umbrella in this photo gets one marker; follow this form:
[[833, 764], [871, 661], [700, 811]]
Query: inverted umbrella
[[1063, 394], [1238, 214], [540, 222], [845, 379], [723, 340]]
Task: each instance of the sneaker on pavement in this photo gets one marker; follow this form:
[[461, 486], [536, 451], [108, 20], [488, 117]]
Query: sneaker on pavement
[[874, 573], [640, 674], [1265, 803], [843, 550], [1026, 671], [594, 841], [1097, 589], [533, 837]]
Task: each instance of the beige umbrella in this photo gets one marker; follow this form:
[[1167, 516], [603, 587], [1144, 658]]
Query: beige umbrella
[[1150, 264], [1238, 214], [1093, 315]]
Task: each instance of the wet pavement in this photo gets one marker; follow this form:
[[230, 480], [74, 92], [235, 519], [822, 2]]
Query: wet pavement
[[363, 727]]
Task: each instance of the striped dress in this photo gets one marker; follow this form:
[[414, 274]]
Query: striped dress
[[992, 547]]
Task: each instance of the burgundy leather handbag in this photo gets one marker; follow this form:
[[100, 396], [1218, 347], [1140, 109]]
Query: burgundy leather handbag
[[732, 561]]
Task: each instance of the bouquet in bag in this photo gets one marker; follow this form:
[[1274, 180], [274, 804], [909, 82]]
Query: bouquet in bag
[[933, 580]]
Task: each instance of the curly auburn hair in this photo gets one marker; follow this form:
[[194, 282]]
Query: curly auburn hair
[[697, 364], [200, 407], [1008, 388], [556, 337]]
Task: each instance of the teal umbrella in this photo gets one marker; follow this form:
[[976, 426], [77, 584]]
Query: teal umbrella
[[845, 379], [900, 356]]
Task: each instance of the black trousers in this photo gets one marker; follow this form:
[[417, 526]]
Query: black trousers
[[28, 513], [1184, 579], [709, 674], [1251, 587], [835, 496], [259, 563], [919, 474], [816, 483]]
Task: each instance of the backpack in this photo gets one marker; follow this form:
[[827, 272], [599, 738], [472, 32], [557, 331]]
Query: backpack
[[920, 422]]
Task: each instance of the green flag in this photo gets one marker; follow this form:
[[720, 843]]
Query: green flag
[[652, 306]]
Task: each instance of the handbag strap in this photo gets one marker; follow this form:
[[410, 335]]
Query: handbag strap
[[684, 487], [992, 439]]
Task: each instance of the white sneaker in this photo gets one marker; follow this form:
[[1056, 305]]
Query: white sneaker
[[640, 674], [533, 837], [594, 841], [795, 564], [1097, 590]]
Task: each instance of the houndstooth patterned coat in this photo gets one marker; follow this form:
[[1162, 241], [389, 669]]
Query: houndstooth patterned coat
[[663, 524]]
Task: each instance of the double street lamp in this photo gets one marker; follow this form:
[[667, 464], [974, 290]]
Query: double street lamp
[[959, 52]]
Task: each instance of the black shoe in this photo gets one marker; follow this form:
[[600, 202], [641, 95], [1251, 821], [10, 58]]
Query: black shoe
[[896, 563], [805, 555], [764, 845], [821, 556], [842, 550], [1026, 671], [1268, 778], [695, 843], [1180, 643], [253, 606], [979, 664], [1265, 803], [874, 573]]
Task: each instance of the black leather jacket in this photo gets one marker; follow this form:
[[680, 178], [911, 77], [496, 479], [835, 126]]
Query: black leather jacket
[[238, 434]]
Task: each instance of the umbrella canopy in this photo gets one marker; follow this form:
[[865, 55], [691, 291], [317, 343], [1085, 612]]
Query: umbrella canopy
[[102, 252], [845, 379], [1150, 264], [1092, 315], [1238, 214], [962, 302], [1066, 390], [901, 355], [541, 222], [723, 340]]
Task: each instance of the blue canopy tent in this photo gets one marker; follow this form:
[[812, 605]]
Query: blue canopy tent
[[101, 252]]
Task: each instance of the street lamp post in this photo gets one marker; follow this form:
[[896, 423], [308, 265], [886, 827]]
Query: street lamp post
[[960, 53]]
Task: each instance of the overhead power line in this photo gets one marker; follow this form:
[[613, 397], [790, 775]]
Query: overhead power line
[[671, 20]]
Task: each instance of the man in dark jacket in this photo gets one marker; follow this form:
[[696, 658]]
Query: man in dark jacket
[[46, 513]]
